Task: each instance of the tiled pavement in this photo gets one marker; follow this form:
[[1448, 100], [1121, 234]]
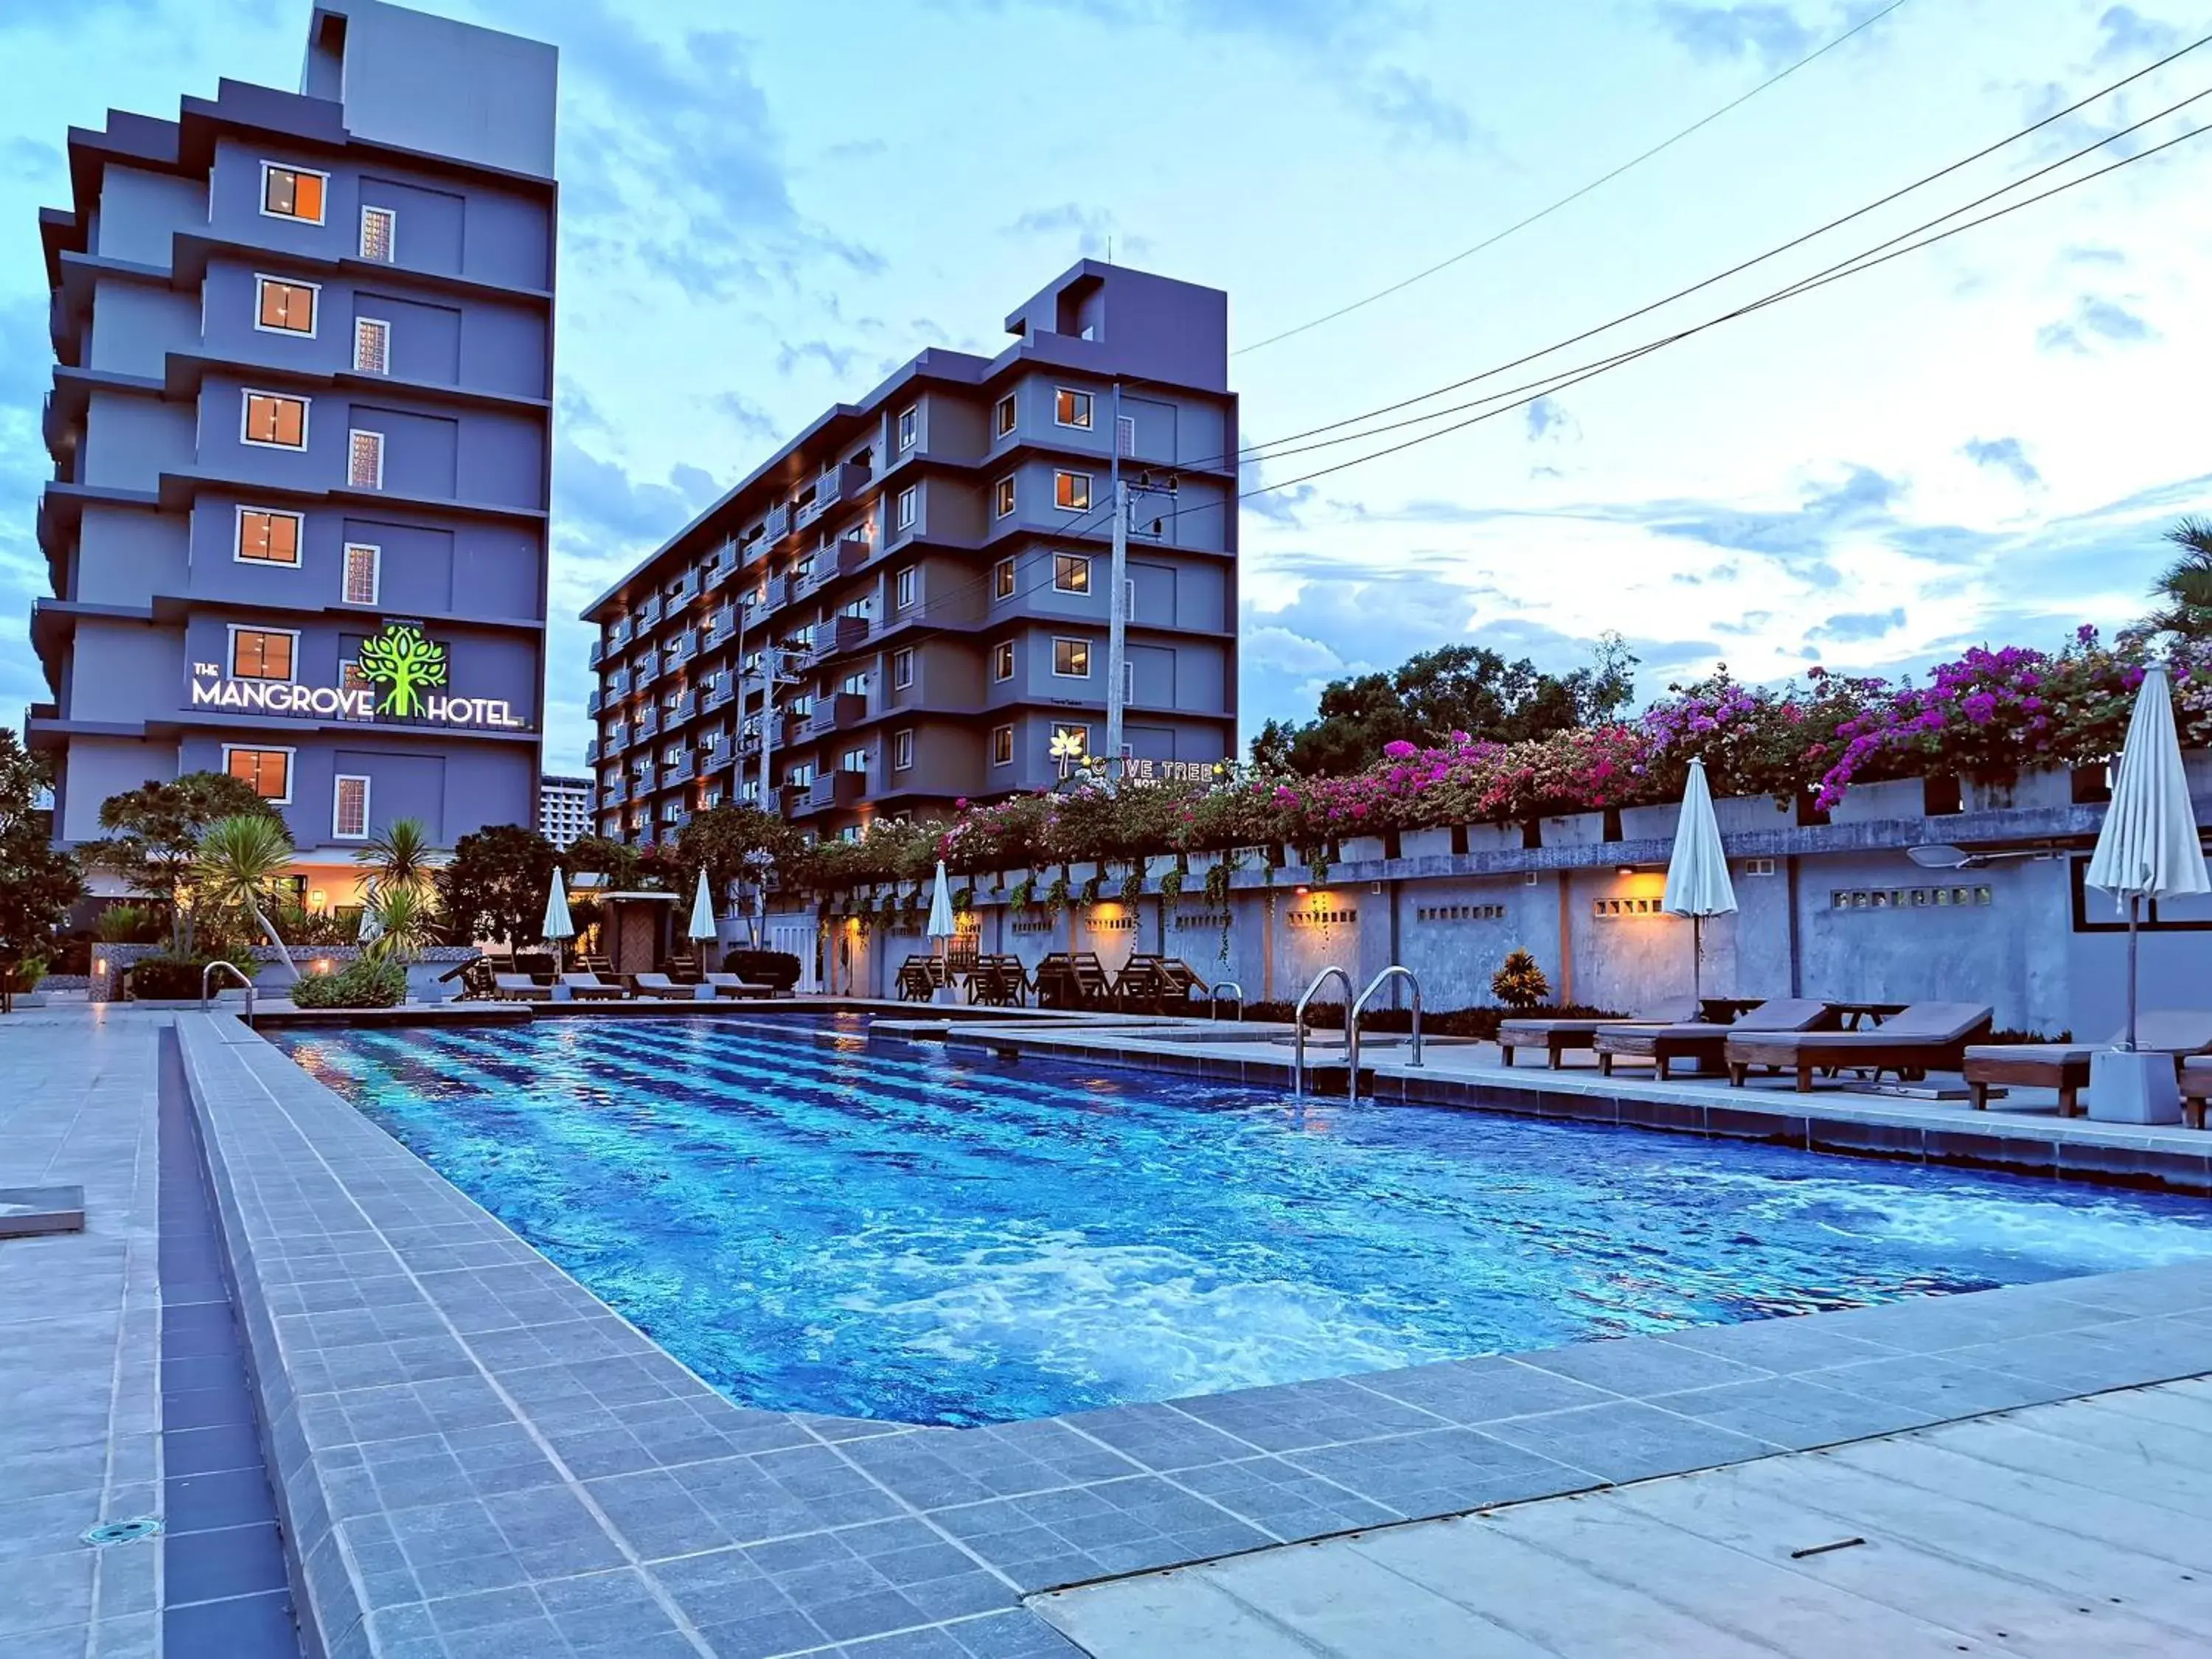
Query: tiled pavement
[[477, 1456]]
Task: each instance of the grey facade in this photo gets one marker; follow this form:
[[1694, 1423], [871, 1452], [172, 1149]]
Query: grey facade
[[301, 401], [933, 564], [564, 808]]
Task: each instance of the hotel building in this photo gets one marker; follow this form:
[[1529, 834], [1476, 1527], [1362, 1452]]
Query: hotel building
[[301, 427], [924, 575], [564, 808]]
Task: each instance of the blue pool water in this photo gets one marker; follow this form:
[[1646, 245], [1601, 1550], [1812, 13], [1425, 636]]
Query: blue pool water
[[824, 1229]]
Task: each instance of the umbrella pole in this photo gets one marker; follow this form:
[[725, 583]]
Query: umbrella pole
[[2135, 907], [1698, 958]]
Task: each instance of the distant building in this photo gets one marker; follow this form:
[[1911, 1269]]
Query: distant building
[[301, 422], [564, 808], [931, 565]]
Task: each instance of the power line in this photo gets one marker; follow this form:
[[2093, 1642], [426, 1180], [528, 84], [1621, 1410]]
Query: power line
[[1577, 194]]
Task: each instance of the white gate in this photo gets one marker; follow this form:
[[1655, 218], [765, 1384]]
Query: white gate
[[799, 938]]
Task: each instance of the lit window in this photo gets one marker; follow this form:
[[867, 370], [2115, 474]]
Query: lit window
[[855, 684], [377, 228], [365, 459], [293, 192], [372, 346], [901, 669], [902, 511], [1071, 658], [903, 588], [1002, 745], [266, 537], [1071, 491], [351, 680], [283, 308], [1070, 573], [855, 760], [1002, 419], [277, 421], [909, 428], [349, 808], [1003, 502], [901, 752], [261, 653], [362, 561], [1002, 660], [1002, 580], [268, 771], [1072, 408]]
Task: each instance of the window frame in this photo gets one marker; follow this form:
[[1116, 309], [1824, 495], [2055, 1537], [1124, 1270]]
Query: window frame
[[1076, 644], [240, 556], [1002, 745], [231, 632], [338, 782], [1006, 418], [1080, 727], [323, 199], [1005, 498], [383, 325], [845, 762], [906, 587], [1059, 560], [903, 750], [1063, 481], [262, 281], [391, 217], [375, 551], [906, 428], [906, 508], [353, 434], [903, 668], [1072, 395], [1003, 652], [245, 397], [1003, 580], [291, 765]]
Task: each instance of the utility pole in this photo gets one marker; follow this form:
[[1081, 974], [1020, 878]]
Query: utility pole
[[771, 676], [1117, 606]]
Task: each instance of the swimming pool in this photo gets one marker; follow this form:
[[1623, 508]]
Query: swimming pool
[[905, 1236]]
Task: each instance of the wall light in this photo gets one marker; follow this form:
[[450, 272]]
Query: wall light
[[1628, 870], [318, 899], [320, 965], [1303, 891]]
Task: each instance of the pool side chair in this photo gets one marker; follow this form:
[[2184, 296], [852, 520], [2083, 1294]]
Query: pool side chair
[[730, 985], [519, 987], [2065, 1066], [590, 986], [1701, 1043], [1926, 1036], [2196, 1090], [659, 984], [1556, 1036]]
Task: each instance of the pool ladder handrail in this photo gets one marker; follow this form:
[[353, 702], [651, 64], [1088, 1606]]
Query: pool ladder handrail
[[1352, 1023], [1298, 1023], [236, 973], [1213, 1000]]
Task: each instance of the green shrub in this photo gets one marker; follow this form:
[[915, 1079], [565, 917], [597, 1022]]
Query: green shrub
[[362, 985], [1519, 982], [24, 975], [170, 978], [130, 924], [776, 968]]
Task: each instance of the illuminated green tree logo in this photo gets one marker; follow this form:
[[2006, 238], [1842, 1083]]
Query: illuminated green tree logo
[[404, 664]]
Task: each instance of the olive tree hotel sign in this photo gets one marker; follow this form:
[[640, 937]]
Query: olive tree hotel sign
[[397, 674]]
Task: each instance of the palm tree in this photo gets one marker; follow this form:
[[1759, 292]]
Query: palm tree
[[238, 859], [2186, 584], [398, 860], [406, 924]]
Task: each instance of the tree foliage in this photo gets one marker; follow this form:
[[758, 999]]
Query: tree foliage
[[493, 887], [240, 858], [153, 836], [729, 842], [37, 884], [2184, 587]]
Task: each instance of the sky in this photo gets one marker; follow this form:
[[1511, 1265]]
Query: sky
[[766, 209]]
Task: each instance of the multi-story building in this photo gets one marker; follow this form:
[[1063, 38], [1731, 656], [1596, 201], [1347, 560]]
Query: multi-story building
[[300, 427], [907, 603], [564, 808]]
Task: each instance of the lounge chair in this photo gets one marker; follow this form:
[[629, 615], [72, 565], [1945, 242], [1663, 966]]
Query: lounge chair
[[1703, 1044], [921, 977], [590, 986], [659, 984], [1926, 1036], [729, 985], [519, 987], [998, 981], [2196, 1090], [1556, 1036], [2065, 1066]]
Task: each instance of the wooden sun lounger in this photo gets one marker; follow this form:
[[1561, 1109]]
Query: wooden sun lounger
[[998, 981], [2065, 1066], [920, 977], [659, 984], [588, 987], [731, 985], [1556, 1036], [2196, 1090], [1152, 984], [1701, 1043], [519, 987], [1926, 1036]]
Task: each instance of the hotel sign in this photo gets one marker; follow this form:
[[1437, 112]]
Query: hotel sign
[[397, 674]]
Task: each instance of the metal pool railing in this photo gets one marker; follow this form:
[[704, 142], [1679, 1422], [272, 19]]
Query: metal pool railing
[[1298, 1023], [1351, 1022]]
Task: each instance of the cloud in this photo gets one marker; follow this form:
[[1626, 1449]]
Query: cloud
[[1545, 417], [599, 502], [2129, 34], [29, 161], [1769, 33], [1409, 104], [742, 412], [839, 359], [1852, 625], [2094, 320], [1095, 231], [2005, 454], [1287, 652]]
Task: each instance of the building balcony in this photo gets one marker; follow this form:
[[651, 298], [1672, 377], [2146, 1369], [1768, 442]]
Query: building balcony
[[777, 526], [679, 770], [595, 701], [649, 723], [684, 591], [835, 789], [850, 553], [679, 650], [720, 694], [591, 751], [720, 568], [775, 593], [647, 613], [837, 635], [613, 794], [749, 745], [646, 671], [716, 757], [839, 713], [839, 484], [621, 634], [617, 685], [685, 707], [722, 627], [641, 781], [599, 650], [671, 822]]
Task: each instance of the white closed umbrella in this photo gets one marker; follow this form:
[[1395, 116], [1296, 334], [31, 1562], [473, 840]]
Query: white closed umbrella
[[703, 920], [556, 925], [941, 925], [1698, 884], [2147, 848]]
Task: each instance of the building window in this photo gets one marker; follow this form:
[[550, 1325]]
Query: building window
[[903, 588], [909, 428], [280, 422], [1074, 740], [262, 653], [801, 775], [365, 459], [903, 509], [293, 192], [282, 307], [350, 808], [266, 538], [372, 346], [854, 685], [350, 680], [1002, 418], [1002, 580], [901, 752], [1071, 658], [1002, 745], [855, 760], [362, 571], [1003, 498], [378, 229], [1071, 491], [1070, 573], [1125, 434], [1072, 408], [902, 669], [268, 771], [1002, 660]]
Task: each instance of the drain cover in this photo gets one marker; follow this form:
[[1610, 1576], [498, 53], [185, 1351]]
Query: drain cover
[[123, 1532]]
